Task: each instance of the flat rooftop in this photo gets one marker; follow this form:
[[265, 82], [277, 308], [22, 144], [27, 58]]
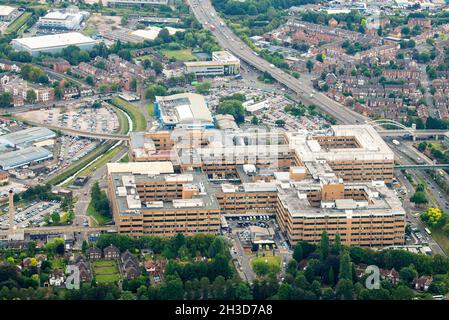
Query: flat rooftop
[[380, 201], [23, 156], [370, 146], [27, 136], [6, 10], [183, 108], [129, 201], [55, 40], [141, 168]]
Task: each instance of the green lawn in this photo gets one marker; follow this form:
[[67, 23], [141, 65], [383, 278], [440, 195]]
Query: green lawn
[[182, 54], [16, 25], [150, 109], [442, 239], [273, 264], [103, 263], [125, 158], [270, 260], [107, 278], [139, 122], [106, 271]]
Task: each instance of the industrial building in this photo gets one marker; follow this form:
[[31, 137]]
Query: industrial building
[[223, 64], [69, 19], [183, 110], [52, 43], [27, 137], [8, 13], [23, 157]]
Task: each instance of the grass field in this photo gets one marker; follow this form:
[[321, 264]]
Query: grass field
[[442, 239], [273, 264], [138, 119], [150, 109], [107, 278], [105, 271], [182, 54], [16, 25]]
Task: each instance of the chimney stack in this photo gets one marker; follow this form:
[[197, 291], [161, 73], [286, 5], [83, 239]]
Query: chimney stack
[[11, 209]]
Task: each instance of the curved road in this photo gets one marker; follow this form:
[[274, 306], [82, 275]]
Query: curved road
[[207, 15]]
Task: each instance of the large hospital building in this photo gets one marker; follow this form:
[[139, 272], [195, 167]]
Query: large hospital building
[[333, 180]]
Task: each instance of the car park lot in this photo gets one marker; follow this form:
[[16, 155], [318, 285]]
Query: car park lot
[[33, 215], [77, 117]]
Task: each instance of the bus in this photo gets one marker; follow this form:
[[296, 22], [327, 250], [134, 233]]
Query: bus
[[428, 231]]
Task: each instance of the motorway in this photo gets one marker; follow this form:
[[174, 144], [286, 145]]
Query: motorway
[[206, 15]]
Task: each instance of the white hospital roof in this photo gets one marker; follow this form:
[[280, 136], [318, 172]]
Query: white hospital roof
[[55, 40]]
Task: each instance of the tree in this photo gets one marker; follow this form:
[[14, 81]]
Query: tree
[[419, 198], [431, 216], [402, 293], [324, 246], [90, 80], [331, 277], [125, 54], [407, 274], [84, 247], [155, 90], [234, 108], [157, 67], [337, 244], [55, 217], [203, 87], [5, 100], [309, 65], [345, 290], [134, 84], [345, 266], [285, 291], [328, 294], [164, 35], [254, 120], [243, 292], [280, 123], [31, 96], [298, 252]]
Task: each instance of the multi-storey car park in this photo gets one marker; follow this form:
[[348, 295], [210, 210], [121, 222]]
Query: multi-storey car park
[[305, 187]]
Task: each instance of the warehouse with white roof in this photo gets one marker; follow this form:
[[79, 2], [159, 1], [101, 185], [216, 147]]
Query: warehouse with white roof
[[53, 43], [27, 137], [184, 110], [20, 158]]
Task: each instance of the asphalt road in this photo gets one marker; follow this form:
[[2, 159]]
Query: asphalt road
[[206, 15]]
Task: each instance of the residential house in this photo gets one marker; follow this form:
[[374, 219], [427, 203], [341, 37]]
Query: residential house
[[56, 278], [423, 283], [111, 252], [93, 253]]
